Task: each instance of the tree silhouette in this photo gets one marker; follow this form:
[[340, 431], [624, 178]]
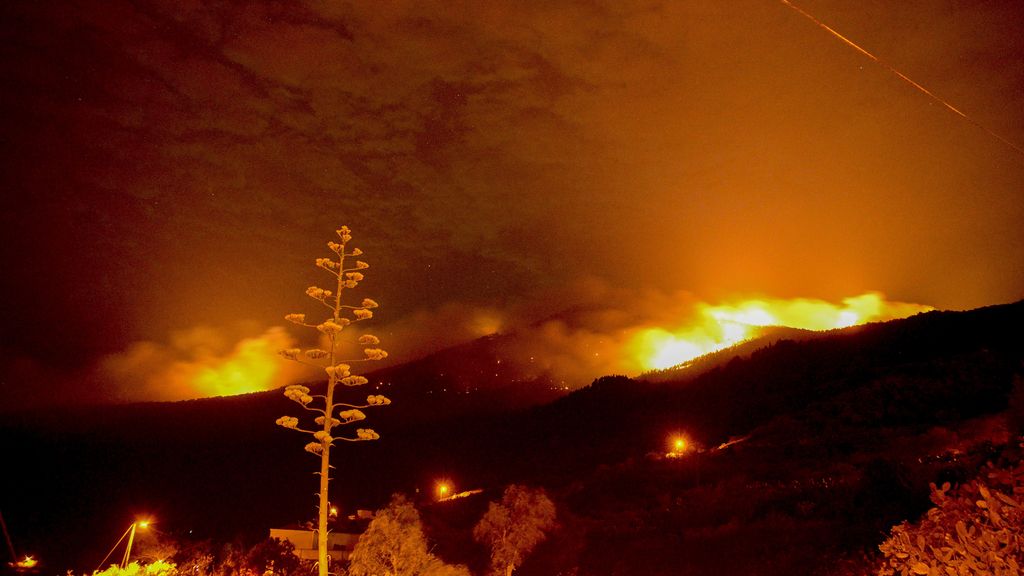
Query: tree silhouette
[[394, 545], [513, 527]]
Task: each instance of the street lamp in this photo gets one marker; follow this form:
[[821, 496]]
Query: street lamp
[[131, 538], [677, 446], [442, 490], [130, 534]]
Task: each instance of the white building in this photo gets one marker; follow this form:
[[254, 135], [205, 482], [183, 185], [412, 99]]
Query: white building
[[339, 544]]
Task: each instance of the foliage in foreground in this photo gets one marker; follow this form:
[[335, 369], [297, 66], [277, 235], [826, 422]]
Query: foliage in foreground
[[394, 545], [974, 529], [158, 568], [270, 557], [514, 526]]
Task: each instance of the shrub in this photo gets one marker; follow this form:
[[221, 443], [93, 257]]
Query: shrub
[[158, 568], [974, 529]]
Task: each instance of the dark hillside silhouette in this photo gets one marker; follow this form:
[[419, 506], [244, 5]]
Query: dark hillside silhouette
[[842, 432]]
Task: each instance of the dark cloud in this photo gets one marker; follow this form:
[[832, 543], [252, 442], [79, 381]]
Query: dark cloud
[[175, 164]]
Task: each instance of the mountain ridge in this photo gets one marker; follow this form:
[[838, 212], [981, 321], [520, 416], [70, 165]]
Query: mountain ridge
[[219, 467]]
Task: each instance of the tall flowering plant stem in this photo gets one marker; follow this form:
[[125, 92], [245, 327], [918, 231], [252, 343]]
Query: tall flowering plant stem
[[334, 420]]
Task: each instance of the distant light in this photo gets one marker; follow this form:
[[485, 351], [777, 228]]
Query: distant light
[[678, 445], [442, 490], [144, 524], [463, 494]]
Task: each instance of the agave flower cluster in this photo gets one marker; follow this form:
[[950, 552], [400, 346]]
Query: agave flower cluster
[[332, 415]]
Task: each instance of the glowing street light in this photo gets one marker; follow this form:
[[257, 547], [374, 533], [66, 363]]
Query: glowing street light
[[27, 563], [131, 538], [442, 490], [677, 446], [130, 534]]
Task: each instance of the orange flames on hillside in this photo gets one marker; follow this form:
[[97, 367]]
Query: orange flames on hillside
[[251, 367], [200, 362], [718, 327], [656, 332]]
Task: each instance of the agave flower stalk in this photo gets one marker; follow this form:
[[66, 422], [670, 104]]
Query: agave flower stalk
[[332, 418]]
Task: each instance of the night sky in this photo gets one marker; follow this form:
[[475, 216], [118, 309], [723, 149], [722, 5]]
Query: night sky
[[171, 169]]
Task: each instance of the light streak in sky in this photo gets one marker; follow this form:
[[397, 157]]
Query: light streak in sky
[[904, 77]]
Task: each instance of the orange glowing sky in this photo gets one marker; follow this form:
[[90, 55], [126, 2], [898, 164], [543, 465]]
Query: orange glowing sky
[[172, 167]]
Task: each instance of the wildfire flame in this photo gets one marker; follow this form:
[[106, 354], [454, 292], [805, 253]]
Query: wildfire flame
[[253, 366], [201, 362], [719, 327]]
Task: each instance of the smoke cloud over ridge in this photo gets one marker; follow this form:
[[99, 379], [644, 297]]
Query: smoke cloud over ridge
[[611, 331], [198, 363]]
